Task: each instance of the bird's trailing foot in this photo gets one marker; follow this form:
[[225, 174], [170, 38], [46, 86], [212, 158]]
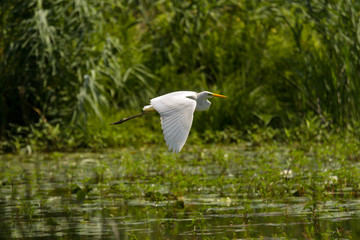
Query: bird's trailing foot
[[126, 119]]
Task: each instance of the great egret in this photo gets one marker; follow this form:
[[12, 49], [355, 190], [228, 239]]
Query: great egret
[[176, 111]]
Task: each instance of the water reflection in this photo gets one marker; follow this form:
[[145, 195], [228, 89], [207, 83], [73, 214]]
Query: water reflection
[[74, 196]]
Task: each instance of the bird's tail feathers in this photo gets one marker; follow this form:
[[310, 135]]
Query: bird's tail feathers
[[126, 119]]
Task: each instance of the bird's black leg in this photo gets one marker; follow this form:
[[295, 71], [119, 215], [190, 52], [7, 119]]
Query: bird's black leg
[[126, 119]]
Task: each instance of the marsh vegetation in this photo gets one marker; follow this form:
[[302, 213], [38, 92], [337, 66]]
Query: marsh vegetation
[[233, 191]]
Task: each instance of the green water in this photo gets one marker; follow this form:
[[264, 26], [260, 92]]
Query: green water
[[212, 192]]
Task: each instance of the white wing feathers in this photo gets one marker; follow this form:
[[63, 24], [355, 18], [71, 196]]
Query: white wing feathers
[[176, 114]]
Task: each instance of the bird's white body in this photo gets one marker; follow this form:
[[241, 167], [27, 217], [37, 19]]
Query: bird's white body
[[202, 103], [176, 111]]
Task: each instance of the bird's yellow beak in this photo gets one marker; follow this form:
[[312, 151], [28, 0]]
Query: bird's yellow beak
[[218, 95]]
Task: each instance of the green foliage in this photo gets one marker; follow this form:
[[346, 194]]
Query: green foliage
[[66, 63], [63, 63]]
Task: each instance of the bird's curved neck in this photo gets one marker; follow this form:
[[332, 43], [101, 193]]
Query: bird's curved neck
[[202, 103]]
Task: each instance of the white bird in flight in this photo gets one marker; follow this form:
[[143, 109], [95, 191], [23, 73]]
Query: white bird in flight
[[176, 111]]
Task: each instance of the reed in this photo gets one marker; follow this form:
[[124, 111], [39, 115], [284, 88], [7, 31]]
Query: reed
[[280, 62]]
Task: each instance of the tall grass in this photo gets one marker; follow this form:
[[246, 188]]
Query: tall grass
[[279, 61], [66, 60], [325, 68]]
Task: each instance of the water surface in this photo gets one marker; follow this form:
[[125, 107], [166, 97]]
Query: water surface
[[216, 193]]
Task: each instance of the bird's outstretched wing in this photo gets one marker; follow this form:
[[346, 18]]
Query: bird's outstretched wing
[[176, 113]]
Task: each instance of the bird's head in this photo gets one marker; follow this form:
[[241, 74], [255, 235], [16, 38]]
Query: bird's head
[[207, 94]]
